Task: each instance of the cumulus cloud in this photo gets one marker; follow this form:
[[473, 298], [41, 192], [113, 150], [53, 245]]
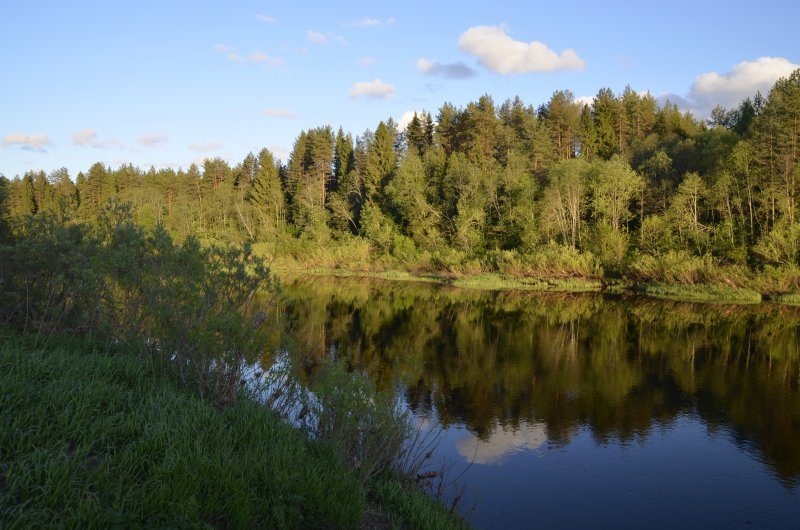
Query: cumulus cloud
[[265, 19], [89, 138], [367, 61], [29, 142], [744, 80], [278, 113], [210, 146], [280, 152], [317, 37], [502, 443], [375, 89], [85, 137], [457, 70], [257, 56], [585, 100], [501, 54], [152, 139], [260, 57], [406, 118], [368, 22], [729, 89]]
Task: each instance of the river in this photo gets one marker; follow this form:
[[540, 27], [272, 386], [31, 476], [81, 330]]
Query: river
[[564, 411]]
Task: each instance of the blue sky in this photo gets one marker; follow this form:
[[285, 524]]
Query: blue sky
[[167, 83]]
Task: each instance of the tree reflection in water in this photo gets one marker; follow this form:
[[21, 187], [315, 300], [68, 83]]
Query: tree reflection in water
[[519, 370]]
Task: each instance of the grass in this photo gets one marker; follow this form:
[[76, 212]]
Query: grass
[[93, 440], [788, 299], [487, 281], [701, 293], [494, 281]]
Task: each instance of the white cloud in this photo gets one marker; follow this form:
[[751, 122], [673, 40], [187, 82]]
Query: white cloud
[[367, 61], [729, 89], [152, 139], [457, 70], [502, 443], [89, 138], [325, 38], [266, 19], [260, 57], [585, 100], [210, 146], [406, 118], [368, 22], [29, 142], [85, 137], [280, 152], [278, 113], [501, 54], [257, 56], [375, 89], [316, 37], [744, 80]]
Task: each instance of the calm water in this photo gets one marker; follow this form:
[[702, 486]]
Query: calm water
[[575, 411]]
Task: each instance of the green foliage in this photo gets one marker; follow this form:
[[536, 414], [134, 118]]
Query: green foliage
[[47, 277], [367, 428], [410, 505], [94, 441], [702, 293], [614, 186], [564, 201], [185, 310], [181, 304], [619, 176], [611, 248], [784, 280], [781, 246]]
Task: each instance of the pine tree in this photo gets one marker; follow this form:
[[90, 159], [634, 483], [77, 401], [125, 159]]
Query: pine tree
[[416, 135], [380, 163], [605, 110], [266, 194], [562, 116]]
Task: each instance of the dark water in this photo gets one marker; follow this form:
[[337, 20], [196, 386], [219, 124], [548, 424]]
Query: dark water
[[582, 411]]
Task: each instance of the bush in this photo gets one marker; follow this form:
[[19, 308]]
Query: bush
[[367, 428], [181, 305], [673, 267], [48, 281], [558, 261], [778, 280]]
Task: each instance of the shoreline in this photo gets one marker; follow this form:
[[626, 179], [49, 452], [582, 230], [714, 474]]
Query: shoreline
[[695, 293]]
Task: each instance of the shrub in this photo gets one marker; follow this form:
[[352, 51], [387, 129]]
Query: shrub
[[367, 428]]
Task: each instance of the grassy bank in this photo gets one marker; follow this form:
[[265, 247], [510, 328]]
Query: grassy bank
[[704, 292], [712, 293], [93, 440], [487, 281]]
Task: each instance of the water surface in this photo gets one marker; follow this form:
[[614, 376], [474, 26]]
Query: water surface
[[562, 411]]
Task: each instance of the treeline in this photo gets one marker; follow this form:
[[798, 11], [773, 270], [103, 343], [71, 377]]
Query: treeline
[[624, 187]]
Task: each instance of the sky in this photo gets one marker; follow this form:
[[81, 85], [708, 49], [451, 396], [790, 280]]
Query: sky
[[169, 83]]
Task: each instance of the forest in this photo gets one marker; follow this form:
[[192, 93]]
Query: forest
[[624, 189]]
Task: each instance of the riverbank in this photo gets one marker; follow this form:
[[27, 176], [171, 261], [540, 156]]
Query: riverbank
[[92, 439], [703, 293]]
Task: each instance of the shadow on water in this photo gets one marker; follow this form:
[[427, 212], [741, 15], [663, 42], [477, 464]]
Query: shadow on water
[[521, 372]]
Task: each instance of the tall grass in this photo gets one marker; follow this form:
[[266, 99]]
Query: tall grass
[[701, 293], [94, 441]]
